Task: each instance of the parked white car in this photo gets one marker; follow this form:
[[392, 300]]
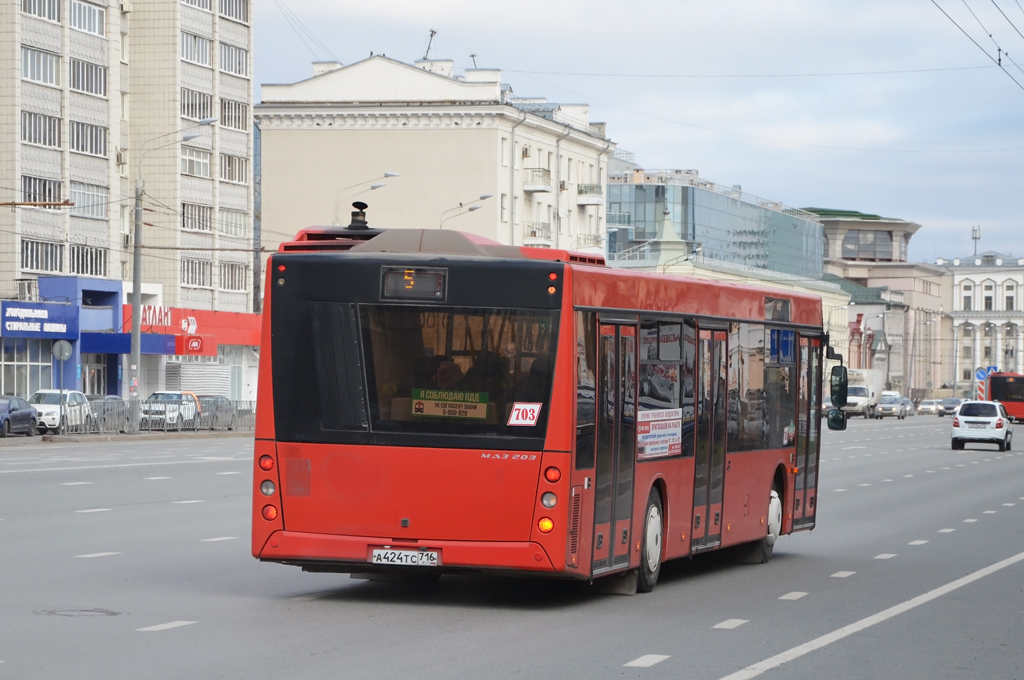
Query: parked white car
[[77, 414], [984, 422], [170, 411]]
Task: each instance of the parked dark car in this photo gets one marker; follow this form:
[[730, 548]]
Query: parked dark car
[[17, 416], [218, 412], [109, 412]]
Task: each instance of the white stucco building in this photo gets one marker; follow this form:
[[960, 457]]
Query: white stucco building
[[333, 139]]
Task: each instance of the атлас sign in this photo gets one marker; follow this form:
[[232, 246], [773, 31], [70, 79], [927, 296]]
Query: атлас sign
[[39, 320]]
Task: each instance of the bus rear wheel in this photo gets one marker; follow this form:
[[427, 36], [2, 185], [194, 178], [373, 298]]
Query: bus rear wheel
[[650, 552]]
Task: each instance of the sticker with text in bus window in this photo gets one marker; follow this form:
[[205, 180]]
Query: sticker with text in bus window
[[449, 404], [524, 414]]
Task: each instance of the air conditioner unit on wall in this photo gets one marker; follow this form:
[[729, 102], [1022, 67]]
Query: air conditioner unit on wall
[[126, 6], [122, 157], [526, 152], [126, 240]]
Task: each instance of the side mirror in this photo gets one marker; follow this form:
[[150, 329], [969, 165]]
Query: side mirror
[[13, 408], [836, 419], [839, 386]]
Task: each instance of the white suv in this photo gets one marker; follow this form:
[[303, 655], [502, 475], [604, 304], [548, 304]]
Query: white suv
[[982, 421], [77, 414]]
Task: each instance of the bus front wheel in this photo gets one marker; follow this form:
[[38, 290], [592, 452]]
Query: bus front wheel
[[760, 552], [650, 555]]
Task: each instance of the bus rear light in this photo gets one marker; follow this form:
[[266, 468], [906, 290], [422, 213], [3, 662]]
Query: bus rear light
[[280, 267], [551, 290], [266, 463], [269, 513], [553, 276], [552, 474], [999, 424], [549, 500], [545, 524], [267, 488]]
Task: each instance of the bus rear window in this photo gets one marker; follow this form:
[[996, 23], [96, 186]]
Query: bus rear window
[[1007, 389], [457, 371]]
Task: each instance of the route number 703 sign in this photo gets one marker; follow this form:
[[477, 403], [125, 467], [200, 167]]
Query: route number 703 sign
[[524, 414]]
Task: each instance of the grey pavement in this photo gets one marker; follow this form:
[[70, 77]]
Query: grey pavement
[[131, 560]]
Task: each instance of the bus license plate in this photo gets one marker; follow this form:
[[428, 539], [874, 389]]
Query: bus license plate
[[411, 558]]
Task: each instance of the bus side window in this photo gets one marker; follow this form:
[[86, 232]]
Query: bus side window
[[586, 388]]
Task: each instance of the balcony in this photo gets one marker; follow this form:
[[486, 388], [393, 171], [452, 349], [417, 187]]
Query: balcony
[[621, 220], [536, 180], [538, 234], [589, 194]]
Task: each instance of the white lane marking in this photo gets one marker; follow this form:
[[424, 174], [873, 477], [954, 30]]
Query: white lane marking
[[918, 542], [304, 598], [843, 574], [908, 475], [839, 489], [974, 462], [219, 538], [186, 502], [930, 471], [968, 521], [167, 455], [165, 626], [868, 455], [801, 650], [885, 556], [94, 510], [886, 480], [863, 485], [848, 448], [1009, 505], [990, 512], [75, 483], [228, 473], [729, 624], [988, 460], [102, 554], [120, 465], [795, 595], [947, 468], [946, 531], [157, 478], [645, 661], [960, 465]]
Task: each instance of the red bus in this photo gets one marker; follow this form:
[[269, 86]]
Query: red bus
[[429, 399], [1007, 389]]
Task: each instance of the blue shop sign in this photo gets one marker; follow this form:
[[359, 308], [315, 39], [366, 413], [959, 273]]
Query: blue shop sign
[[39, 320]]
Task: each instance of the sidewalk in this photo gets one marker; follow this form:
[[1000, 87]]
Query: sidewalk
[[19, 440]]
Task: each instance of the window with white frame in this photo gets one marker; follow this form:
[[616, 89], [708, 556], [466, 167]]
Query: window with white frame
[[195, 49], [232, 276], [234, 60], [195, 162], [42, 256], [235, 9], [196, 105], [234, 115], [196, 273], [40, 190], [86, 138], [201, 4], [196, 217], [87, 77], [233, 168], [44, 9], [39, 66], [233, 222], [87, 260], [90, 200], [88, 18], [38, 128]]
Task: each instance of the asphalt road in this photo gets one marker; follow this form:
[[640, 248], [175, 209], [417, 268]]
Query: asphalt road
[[131, 560]]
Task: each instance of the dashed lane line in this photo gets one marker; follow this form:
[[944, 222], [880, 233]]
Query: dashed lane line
[[186, 502], [843, 574], [120, 465], [100, 554], [918, 542], [757, 669], [990, 512], [946, 531], [150, 478], [93, 510], [233, 472], [795, 595], [885, 556], [729, 624], [1009, 505], [969, 521], [645, 661], [219, 538], [75, 483], [165, 626]]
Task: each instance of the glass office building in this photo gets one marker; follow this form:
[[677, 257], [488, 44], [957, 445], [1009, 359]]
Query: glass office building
[[646, 207]]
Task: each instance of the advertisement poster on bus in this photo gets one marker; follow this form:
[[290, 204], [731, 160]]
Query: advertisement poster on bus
[[659, 433]]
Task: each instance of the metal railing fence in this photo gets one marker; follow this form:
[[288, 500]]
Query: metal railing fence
[[130, 417]]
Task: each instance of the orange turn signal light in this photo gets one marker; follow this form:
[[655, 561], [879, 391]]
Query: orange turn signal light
[[545, 525], [552, 474], [266, 463], [269, 513], [551, 290], [794, 470]]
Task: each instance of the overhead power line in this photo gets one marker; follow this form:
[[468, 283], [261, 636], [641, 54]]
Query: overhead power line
[[991, 58], [712, 76]]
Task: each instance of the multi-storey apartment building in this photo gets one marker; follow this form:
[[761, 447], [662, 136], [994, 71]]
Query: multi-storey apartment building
[[88, 89], [331, 139], [988, 315]]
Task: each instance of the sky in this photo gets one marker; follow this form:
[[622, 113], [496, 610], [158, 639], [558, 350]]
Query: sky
[[890, 107]]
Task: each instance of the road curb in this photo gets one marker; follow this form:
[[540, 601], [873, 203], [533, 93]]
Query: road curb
[[92, 438]]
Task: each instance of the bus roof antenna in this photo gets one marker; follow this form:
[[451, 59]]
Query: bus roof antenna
[[426, 55]]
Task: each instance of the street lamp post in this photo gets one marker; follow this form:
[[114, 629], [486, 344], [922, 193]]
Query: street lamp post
[[377, 184], [136, 349], [459, 207]]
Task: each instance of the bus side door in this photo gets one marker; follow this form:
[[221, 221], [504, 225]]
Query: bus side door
[[709, 463], [616, 446], [808, 441]]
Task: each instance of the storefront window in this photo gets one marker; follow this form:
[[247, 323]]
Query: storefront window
[[25, 366]]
